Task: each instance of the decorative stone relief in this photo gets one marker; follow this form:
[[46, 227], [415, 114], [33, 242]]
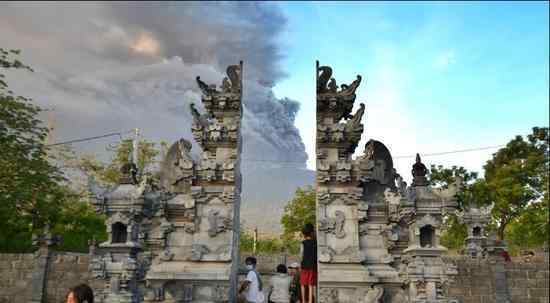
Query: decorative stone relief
[[217, 223], [197, 251], [374, 295], [328, 295], [221, 293], [334, 225]]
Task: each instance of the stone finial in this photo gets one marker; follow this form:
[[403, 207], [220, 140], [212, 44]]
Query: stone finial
[[128, 173], [419, 172]]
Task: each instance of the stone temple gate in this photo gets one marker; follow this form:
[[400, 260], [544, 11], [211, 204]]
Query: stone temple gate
[[378, 238], [177, 241]]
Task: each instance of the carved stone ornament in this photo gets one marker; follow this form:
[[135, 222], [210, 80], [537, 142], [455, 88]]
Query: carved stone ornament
[[221, 293], [176, 170], [217, 223], [328, 295], [326, 254], [334, 225], [374, 295], [419, 172], [197, 251]]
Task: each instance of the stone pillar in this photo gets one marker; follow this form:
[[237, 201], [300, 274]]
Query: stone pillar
[[194, 230], [42, 259], [340, 208], [427, 274], [378, 240]]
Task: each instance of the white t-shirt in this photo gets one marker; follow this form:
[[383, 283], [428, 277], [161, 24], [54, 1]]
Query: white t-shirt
[[254, 294], [281, 285]]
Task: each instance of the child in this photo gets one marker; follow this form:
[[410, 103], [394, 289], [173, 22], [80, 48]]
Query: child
[[308, 274], [251, 288]]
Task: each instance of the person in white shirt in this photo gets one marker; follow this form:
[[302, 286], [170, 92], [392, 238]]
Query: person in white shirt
[[280, 286], [252, 286]]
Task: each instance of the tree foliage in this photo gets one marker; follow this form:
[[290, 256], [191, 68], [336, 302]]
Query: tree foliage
[[515, 183], [517, 180], [299, 211], [30, 196]]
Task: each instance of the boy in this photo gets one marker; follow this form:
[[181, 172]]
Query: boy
[[252, 286], [308, 274]]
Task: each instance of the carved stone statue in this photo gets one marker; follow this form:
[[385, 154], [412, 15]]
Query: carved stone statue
[[234, 74], [355, 122], [325, 73], [177, 168], [206, 90], [419, 172], [348, 90], [198, 118]]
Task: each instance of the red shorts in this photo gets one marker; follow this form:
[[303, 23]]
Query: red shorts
[[308, 277]]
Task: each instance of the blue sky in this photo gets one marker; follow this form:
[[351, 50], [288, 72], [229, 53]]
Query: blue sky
[[439, 76]]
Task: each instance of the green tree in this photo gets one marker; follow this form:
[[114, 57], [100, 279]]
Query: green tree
[[30, 196], [516, 183], [517, 179], [299, 211]]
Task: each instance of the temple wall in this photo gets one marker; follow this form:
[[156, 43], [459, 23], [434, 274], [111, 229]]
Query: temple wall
[[67, 269], [15, 277], [526, 282], [475, 283]]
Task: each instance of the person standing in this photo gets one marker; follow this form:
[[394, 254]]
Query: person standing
[[294, 271], [280, 286], [252, 286], [308, 274]]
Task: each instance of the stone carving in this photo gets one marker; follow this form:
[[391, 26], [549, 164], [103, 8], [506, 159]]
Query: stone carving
[[207, 90], [328, 295], [325, 254], [399, 297], [334, 225], [398, 226], [348, 90], [177, 168], [197, 251], [324, 74], [230, 84], [166, 255], [234, 74], [374, 294], [419, 172], [354, 123], [221, 293], [343, 171], [217, 223]]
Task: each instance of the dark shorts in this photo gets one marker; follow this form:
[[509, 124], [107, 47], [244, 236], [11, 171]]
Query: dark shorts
[[308, 277]]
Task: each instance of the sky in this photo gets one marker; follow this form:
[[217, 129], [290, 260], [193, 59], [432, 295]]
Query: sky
[[439, 76]]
